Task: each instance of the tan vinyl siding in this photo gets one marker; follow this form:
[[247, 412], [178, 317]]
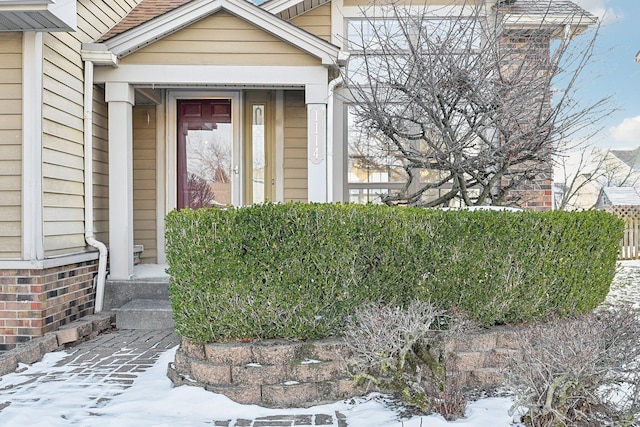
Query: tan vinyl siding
[[317, 21], [144, 181], [100, 166], [10, 145], [295, 147], [62, 109], [221, 39]]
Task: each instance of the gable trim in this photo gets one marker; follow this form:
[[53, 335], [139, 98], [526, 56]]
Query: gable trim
[[296, 7], [149, 32]]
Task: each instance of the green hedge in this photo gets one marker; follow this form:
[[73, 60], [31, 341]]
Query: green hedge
[[298, 270]]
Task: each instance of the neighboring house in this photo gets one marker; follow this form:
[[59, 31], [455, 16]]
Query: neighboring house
[[625, 203], [618, 196], [115, 112], [612, 168]]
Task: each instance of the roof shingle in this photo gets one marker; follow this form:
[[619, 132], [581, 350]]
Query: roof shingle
[[144, 11]]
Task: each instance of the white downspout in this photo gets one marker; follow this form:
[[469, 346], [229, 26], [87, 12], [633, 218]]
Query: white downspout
[[332, 86], [88, 185]]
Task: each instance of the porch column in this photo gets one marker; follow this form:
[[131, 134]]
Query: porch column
[[316, 100], [120, 97], [32, 228]]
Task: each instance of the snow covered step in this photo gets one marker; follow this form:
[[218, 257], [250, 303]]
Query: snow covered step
[[145, 314]]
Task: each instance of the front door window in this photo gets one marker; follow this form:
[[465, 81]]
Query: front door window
[[205, 153]]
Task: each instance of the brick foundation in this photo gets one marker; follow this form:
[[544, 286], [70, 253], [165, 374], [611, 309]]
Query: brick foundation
[[36, 301]]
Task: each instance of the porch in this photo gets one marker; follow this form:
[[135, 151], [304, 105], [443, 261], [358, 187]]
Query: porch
[[204, 76]]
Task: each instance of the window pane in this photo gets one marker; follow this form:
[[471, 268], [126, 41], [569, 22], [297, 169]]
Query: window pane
[[373, 34], [463, 34], [378, 69], [257, 153], [369, 195], [208, 156], [370, 158]]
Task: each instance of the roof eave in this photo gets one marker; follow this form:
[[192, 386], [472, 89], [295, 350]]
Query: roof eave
[[38, 15], [277, 6], [577, 23]]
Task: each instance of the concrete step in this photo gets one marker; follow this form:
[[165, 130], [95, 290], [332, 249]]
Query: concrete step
[[119, 292], [145, 314]]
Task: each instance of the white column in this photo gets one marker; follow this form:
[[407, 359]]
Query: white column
[[316, 99], [120, 97], [32, 227]]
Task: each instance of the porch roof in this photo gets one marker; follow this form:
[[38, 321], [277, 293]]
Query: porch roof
[[154, 19]]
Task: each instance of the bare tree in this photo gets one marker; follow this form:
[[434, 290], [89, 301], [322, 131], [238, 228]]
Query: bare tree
[[474, 105], [200, 193]]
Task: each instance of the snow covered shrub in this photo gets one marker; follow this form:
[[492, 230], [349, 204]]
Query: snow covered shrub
[[401, 351], [579, 372]]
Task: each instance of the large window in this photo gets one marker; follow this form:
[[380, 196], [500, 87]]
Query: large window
[[384, 51], [372, 167]]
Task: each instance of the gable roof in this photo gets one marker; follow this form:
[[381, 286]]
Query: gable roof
[[630, 158], [155, 19], [619, 196]]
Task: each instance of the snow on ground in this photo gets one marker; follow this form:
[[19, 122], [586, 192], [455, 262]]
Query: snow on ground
[[152, 401], [625, 288]]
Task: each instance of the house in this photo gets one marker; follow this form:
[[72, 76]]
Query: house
[[618, 196], [580, 182], [115, 112]]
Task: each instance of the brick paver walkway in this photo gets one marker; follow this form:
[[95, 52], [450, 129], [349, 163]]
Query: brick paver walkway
[[338, 420], [96, 371]]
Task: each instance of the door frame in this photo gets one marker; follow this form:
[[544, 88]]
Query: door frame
[[171, 130]]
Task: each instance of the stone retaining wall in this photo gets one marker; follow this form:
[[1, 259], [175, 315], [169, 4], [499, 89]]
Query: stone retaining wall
[[272, 373], [277, 373], [480, 357]]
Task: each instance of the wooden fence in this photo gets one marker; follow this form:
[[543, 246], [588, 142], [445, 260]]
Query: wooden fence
[[631, 239]]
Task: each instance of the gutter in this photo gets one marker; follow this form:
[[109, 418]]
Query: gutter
[[89, 235]]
